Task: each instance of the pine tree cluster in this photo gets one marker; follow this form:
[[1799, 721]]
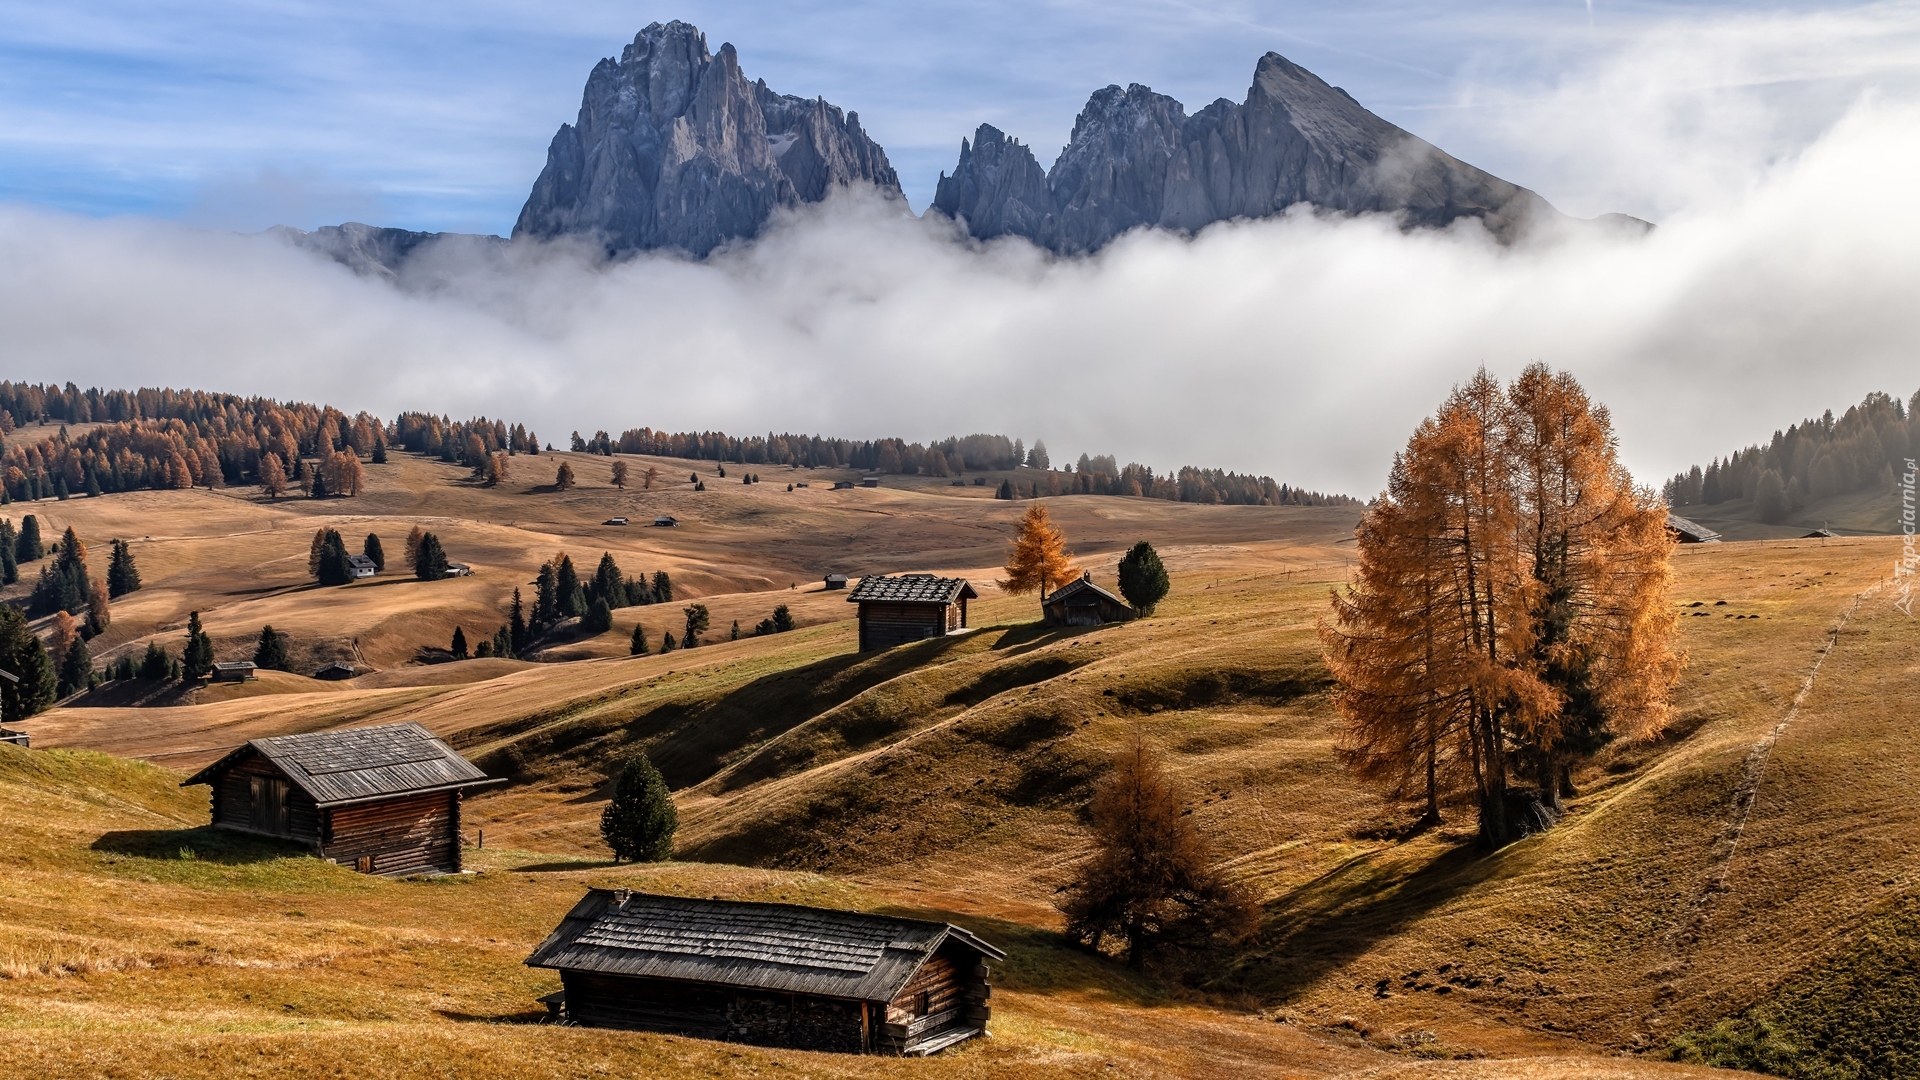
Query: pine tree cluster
[[1814, 459]]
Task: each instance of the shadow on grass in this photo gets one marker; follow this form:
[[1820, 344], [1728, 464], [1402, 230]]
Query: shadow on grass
[[1042, 961], [564, 866], [691, 738], [524, 1017], [205, 843], [1326, 923]]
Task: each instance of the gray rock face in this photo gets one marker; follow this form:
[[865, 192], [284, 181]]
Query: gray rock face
[[1136, 158], [674, 148], [372, 251]]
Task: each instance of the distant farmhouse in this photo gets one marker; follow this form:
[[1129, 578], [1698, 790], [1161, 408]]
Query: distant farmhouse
[[362, 566], [835, 581], [339, 669], [768, 974], [1084, 604], [235, 671], [911, 607], [383, 800], [665, 521], [1690, 532]]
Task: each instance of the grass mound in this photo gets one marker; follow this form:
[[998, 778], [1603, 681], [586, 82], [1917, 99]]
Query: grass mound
[[1856, 1017]]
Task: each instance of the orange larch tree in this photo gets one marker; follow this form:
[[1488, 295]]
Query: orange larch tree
[[1039, 557], [1509, 611]]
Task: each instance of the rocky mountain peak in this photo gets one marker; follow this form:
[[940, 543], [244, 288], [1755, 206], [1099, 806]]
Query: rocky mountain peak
[[1136, 158], [675, 148]]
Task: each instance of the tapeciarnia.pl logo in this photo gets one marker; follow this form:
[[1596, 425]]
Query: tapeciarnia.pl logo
[[1903, 571]]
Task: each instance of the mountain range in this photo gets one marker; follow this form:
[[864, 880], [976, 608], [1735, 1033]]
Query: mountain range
[[675, 150]]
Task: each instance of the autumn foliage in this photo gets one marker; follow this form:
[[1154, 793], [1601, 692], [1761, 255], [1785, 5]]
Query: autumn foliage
[[1039, 557], [1509, 615], [1151, 881]]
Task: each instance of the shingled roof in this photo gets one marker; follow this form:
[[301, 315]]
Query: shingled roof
[[780, 947], [913, 589], [358, 764], [1690, 532], [1080, 585]]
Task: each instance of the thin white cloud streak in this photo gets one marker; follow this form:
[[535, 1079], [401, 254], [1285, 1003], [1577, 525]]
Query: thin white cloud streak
[[1303, 347]]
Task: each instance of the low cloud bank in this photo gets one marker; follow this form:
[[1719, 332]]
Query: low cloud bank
[[1303, 347]]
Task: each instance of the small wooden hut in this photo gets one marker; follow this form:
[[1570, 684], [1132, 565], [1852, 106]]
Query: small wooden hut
[[910, 607], [235, 671], [1690, 532], [384, 800], [768, 974], [1083, 603]]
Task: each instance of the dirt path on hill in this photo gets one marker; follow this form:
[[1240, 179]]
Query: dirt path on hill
[[1746, 792]]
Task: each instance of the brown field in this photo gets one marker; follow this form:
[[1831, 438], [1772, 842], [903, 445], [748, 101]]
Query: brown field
[[943, 777]]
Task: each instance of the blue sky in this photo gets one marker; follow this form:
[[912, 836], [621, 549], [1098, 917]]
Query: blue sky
[[435, 115]]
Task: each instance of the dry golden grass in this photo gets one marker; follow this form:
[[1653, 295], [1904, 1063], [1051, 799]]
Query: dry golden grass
[[949, 777]]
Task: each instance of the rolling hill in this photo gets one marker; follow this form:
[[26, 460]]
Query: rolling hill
[[1734, 875]]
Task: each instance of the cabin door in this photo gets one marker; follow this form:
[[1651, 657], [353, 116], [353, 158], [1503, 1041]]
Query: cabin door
[[270, 811]]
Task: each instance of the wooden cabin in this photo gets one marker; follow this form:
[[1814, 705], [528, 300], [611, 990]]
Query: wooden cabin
[[870, 481], [910, 607], [383, 800], [835, 581], [339, 669], [16, 738], [1690, 532], [1083, 603], [361, 566], [235, 671], [777, 975]]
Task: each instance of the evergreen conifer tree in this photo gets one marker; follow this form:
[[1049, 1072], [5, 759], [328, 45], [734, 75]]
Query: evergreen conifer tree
[[571, 597], [503, 641], [734, 634], [546, 602], [638, 645], [667, 644], [662, 588], [517, 627], [196, 660], [22, 653], [271, 653], [599, 617], [76, 668], [154, 664], [334, 567], [639, 820], [432, 563], [9, 556], [782, 619], [1143, 580], [123, 576], [371, 549], [697, 623], [28, 548], [459, 646], [608, 583]]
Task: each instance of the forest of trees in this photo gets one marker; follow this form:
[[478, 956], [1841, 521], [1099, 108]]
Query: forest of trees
[[1814, 459], [155, 438], [1509, 615]]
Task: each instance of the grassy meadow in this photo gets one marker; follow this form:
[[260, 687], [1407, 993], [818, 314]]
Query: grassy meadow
[[1709, 890]]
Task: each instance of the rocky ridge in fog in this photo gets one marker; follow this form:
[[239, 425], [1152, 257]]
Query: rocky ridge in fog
[[1136, 158], [675, 150]]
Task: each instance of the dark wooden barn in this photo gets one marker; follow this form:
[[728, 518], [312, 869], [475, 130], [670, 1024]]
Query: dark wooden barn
[[383, 800], [768, 974], [1084, 604], [910, 607]]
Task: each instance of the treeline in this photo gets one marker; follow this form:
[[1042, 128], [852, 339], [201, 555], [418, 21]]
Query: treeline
[[155, 438], [1814, 459], [1092, 475], [176, 439]]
